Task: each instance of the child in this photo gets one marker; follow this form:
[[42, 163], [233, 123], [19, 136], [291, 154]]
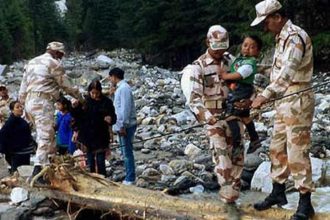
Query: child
[[15, 138], [241, 88], [92, 122], [63, 127]]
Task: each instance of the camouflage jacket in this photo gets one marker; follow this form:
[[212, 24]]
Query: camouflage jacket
[[45, 74], [292, 62], [202, 86]]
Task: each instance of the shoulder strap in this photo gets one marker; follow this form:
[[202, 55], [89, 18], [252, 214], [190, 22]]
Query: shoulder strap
[[302, 41], [200, 63]]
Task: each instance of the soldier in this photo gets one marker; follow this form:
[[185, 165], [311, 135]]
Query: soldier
[[40, 88], [205, 93], [291, 72]]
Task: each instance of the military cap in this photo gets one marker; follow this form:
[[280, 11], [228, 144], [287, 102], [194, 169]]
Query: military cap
[[265, 8], [218, 37], [57, 46]]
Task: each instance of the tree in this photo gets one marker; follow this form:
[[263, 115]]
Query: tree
[[5, 41]]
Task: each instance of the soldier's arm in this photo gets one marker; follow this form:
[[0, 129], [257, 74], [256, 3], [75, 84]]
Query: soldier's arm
[[196, 94], [291, 60], [22, 90], [64, 83]]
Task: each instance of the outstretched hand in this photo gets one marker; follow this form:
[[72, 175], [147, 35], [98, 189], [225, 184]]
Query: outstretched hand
[[259, 101], [107, 119], [74, 103]]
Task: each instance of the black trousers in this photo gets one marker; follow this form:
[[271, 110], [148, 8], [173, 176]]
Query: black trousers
[[16, 160], [235, 132], [243, 91]]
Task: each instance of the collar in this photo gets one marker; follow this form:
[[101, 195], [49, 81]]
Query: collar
[[284, 32], [120, 83], [209, 59]]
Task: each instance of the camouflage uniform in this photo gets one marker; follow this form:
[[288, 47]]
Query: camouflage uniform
[[291, 72], [207, 93], [40, 88]]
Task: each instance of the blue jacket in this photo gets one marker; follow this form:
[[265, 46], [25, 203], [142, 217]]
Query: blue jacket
[[64, 131]]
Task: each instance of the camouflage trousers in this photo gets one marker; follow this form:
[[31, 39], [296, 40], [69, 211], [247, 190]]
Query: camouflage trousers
[[228, 161], [41, 113], [290, 145]]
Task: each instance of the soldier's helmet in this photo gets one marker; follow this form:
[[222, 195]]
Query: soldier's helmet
[[217, 37], [56, 46]]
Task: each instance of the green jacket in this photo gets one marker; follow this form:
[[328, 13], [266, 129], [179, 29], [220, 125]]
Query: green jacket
[[240, 61]]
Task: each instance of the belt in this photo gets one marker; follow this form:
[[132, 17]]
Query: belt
[[213, 104], [42, 95]]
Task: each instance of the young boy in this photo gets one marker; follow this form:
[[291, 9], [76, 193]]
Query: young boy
[[240, 81]]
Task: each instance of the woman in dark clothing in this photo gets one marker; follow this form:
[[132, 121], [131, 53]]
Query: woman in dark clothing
[[15, 138], [92, 121]]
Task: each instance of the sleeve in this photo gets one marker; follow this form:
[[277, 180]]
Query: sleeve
[[112, 113], [195, 93], [77, 117], [63, 81], [3, 139], [245, 70], [23, 88], [290, 63], [126, 103]]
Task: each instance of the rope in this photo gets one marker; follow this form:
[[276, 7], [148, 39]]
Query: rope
[[224, 117]]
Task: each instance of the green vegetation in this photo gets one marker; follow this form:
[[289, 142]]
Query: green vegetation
[[167, 33]]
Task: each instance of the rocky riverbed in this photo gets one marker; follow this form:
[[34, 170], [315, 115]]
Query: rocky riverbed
[[179, 160]]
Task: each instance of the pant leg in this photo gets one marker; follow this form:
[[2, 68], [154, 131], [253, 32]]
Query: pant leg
[[100, 161], [278, 151], [41, 112], [251, 129], [228, 162], [126, 143], [91, 161], [235, 132], [299, 123]]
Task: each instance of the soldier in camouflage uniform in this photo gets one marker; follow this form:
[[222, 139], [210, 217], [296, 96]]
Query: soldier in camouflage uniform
[[291, 72], [205, 93], [5, 100], [40, 88]]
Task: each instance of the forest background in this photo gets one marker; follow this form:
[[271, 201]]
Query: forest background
[[169, 33]]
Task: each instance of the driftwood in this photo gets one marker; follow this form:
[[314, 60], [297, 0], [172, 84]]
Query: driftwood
[[73, 185]]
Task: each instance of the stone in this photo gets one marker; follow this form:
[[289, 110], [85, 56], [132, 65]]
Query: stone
[[252, 161], [261, 180], [166, 169], [145, 151], [198, 189], [179, 166], [18, 195], [25, 171], [192, 151], [150, 172]]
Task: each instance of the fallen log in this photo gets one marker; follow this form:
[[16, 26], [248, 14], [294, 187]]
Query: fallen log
[[73, 185], [139, 203]]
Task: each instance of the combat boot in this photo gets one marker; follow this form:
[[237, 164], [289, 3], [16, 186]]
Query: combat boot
[[276, 197], [305, 209], [36, 170]]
